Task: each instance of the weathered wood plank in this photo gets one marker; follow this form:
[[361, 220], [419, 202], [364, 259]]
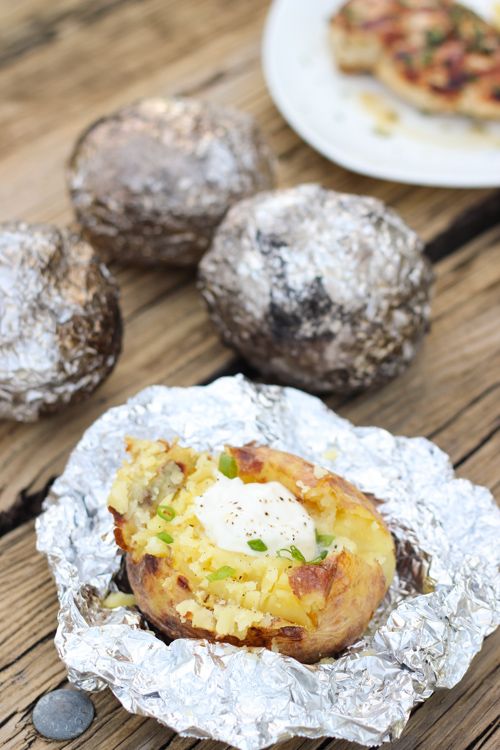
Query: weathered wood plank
[[29, 604], [28, 613], [175, 345], [156, 47], [179, 345], [63, 64], [450, 392], [483, 462], [26, 638]]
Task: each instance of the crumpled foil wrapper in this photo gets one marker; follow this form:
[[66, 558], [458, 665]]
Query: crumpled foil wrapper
[[442, 603], [60, 323], [323, 290], [151, 181]]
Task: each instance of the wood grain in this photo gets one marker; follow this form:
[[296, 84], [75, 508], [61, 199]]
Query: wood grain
[[30, 667], [133, 49], [451, 390], [63, 64], [27, 656]]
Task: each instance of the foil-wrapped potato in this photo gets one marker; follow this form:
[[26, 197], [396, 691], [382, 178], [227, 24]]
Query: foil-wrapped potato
[[254, 547], [60, 324], [151, 182], [323, 290]]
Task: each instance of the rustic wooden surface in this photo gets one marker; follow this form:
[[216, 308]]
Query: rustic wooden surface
[[64, 63]]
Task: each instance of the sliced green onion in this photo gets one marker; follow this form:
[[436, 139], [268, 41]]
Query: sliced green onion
[[166, 512], [227, 466], [257, 545], [324, 539], [297, 554], [292, 552], [221, 573], [319, 558], [435, 37], [165, 537]]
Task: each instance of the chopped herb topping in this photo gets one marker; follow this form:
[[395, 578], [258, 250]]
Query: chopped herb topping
[[296, 553], [166, 512], [257, 545], [292, 552], [319, 558], [227, 466], [221, 573], [434, 37], [324, 539], [165, 537]]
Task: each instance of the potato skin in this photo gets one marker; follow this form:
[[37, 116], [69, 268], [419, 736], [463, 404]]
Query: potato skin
[[354, 591], [349, 587]]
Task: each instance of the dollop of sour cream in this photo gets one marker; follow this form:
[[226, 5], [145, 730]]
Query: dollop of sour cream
[[234, 513]]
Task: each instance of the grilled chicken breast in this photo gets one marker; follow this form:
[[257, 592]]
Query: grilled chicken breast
[[436, 54]]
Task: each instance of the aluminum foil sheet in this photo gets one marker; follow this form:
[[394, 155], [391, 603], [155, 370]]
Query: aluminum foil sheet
[[442, 604], [60, 324], [323, 290], [151, 182]]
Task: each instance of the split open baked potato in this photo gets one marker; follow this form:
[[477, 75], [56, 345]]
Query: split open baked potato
[[187, 585]]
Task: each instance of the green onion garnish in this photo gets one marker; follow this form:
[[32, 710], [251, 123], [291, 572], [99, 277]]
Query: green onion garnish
[[166, 512], [434, 37], [319, 558], [257, 545], [227, 466], [165, 537], [324, 539], [221, 573], [292, 552], [296, 553]]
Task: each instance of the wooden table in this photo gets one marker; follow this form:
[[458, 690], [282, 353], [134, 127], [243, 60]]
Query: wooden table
[[64, 63]]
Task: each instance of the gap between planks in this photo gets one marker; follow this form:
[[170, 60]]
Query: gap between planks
[[448, 392], [37, 140], [28, 622], [157, 58]]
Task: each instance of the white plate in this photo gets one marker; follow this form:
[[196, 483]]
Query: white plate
[[339, 116]]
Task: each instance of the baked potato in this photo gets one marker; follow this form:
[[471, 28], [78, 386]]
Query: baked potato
[[255, 547]]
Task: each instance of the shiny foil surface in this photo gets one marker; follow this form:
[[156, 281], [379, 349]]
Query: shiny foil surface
[[443, 602], [60, 324], [151, 182], [323, 290]]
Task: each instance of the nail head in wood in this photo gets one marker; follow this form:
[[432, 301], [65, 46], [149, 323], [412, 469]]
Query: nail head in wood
[[63, 714]]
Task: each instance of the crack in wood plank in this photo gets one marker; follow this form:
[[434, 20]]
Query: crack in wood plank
[[212, 48], [466, 301], [475, 220], [481, 740], [39, 670], [38, 30]]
